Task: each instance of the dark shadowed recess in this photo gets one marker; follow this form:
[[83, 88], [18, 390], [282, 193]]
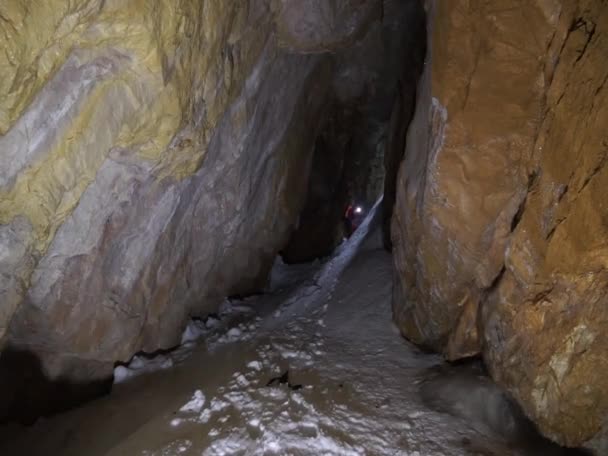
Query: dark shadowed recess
[[464, 389], [28, 393], [358, 152]]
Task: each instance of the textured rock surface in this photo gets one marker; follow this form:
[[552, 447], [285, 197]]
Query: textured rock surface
[[154, 157], [84, 79], [324, 25], [500, 224], [545, 324]]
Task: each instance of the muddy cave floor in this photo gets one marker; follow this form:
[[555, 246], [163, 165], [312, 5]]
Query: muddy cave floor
[[312, 367]]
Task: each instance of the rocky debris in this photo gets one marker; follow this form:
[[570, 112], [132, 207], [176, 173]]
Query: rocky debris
[[499, 228]]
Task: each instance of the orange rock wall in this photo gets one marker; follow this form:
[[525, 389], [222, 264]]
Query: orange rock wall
[[500, 225]]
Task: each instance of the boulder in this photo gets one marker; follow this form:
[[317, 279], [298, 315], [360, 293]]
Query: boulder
[[499, 226]]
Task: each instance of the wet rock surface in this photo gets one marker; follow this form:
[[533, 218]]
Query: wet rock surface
[[499, 224]]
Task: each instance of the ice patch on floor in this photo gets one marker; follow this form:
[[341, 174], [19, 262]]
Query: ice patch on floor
[[240, 333], [242, 381], [235, 323], [140, 364], [255, 365], [274, 421], [194, 331], [195, 404], [234, 333]]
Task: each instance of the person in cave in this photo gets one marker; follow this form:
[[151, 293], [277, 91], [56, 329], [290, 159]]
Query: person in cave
[[353, 216]]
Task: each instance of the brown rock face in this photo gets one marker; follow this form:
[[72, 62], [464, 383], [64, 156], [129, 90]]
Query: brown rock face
[[500, 233], [465, 168], [545, 322]]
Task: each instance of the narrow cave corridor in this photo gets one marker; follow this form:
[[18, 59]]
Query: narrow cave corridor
[[303, 227], [312, 366]]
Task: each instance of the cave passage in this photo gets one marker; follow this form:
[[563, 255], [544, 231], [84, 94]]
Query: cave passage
[[312, 366], [259, 228]]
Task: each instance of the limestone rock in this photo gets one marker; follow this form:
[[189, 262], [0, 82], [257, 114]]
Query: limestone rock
[[154, 157], [545, 321], [82, 79], [499, 228], [464, 171]]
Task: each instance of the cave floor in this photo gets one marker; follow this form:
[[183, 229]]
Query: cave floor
[[352, 386]]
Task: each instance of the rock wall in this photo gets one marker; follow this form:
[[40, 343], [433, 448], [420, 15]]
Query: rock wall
[[500, 234], [154, 157]]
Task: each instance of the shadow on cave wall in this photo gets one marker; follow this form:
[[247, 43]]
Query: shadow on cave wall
[[351, 155], [28, 393]]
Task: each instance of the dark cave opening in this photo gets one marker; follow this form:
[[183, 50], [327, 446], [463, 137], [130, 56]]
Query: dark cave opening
[[362, 141]]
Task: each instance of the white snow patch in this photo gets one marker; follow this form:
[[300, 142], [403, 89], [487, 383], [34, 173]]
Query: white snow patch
[[194, 330], [205, 416], [218, 405], [255, 365], [141, 365], [242, 381], [234, 333], [212, 323], [195, 404]]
